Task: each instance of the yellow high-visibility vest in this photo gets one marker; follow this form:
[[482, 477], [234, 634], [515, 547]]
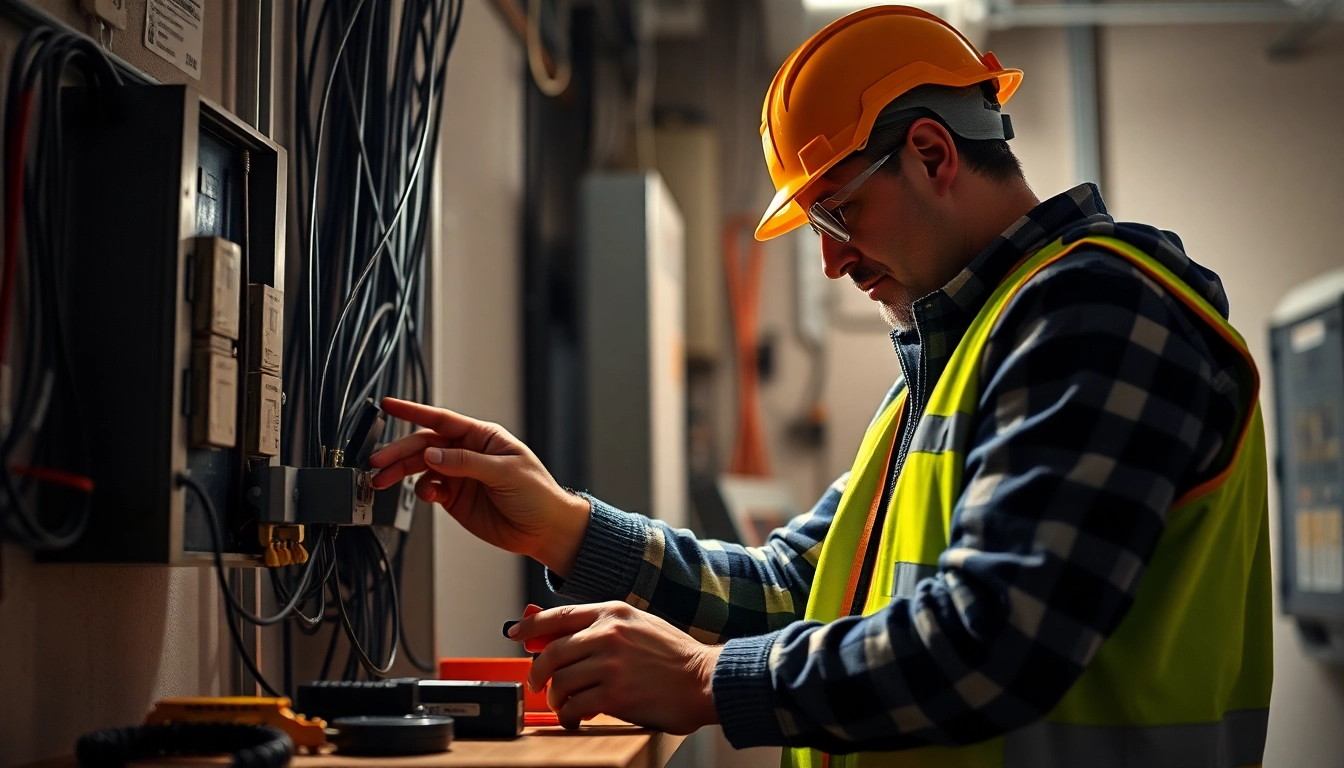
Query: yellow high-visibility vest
[[1185, 678]]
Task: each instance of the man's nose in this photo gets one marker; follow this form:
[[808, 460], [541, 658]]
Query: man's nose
[[837, 258]]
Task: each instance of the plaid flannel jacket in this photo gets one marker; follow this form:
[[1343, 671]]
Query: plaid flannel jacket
[[1101, 401]]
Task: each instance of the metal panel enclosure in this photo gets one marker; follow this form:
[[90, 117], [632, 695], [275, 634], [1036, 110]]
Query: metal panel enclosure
[[150, 168], [1307, 342], [632, 256]]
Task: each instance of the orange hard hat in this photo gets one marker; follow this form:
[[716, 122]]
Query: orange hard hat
[[823, 102]]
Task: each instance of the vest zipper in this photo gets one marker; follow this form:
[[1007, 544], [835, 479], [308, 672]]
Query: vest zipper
[[914, 408]]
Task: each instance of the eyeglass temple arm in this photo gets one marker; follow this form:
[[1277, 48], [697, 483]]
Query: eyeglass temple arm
[[848, 189]]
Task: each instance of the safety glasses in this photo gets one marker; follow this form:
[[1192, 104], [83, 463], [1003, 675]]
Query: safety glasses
[[826, 217]]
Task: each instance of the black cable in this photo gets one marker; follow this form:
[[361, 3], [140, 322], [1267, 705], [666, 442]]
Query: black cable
[[215, 528], [424, 666], [313, 274], [230, 601], [355, 644], [369, 101], [39, 63], [249, 746]]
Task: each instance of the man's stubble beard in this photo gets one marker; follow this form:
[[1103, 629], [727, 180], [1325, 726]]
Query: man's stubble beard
[[900, 315]]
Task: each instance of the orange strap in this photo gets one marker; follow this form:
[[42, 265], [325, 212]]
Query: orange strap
[[855, 570], [744, 290]]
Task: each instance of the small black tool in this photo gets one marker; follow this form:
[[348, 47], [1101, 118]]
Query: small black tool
[[507, 626], [385, 736]]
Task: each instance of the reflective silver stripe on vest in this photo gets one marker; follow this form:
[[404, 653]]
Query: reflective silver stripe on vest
[[937, 434], [906, 575], [1238, 740]]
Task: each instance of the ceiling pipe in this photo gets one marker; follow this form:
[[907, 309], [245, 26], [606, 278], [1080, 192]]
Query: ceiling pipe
[[1085, 85], [1310, 19], [1113, 14]]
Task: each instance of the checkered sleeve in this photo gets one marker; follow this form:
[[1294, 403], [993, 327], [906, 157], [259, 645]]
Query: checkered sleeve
[[712, 589], [1099, 402]]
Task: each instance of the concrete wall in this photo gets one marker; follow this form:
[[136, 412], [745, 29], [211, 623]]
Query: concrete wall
[[84, 647]]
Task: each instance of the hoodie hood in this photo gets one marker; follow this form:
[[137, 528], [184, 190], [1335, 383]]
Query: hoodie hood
[[1164, 246]]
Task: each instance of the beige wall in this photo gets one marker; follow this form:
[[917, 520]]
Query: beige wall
[[1241, 157], [84, 647], [476, 322]]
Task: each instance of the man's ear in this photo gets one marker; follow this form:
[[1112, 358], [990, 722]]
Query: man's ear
[[932, 148]]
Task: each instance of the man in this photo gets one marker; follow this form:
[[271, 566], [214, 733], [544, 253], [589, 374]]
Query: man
[[1052, 549]]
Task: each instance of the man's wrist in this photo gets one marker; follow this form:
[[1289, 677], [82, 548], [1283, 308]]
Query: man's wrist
[[709, 659], [566, 537]]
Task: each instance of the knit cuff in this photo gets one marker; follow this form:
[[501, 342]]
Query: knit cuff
[[609, 557], [744, 694]]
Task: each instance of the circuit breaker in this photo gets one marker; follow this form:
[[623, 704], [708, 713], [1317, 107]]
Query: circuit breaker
[[1307, 342], [177, 278]]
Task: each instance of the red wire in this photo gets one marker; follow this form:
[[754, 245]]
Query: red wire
[[15, 155], [13, 210], [57, 476]]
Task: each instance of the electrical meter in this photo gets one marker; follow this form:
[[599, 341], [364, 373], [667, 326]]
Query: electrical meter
[[1307, 343]]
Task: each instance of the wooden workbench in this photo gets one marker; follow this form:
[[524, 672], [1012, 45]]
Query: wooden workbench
[[601, 743]]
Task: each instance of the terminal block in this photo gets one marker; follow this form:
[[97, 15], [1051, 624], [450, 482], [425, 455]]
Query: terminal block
[[313, 496], [282, 544]]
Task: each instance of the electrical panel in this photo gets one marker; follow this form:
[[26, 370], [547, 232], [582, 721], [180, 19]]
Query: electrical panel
[[633, 258], [1307, 342], [175, 291], [690, 163]]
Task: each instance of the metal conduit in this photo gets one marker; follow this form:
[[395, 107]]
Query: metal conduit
[[1109, 14]]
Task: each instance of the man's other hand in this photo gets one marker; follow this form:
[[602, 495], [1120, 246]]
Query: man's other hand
[[613, 659], [488, 480]]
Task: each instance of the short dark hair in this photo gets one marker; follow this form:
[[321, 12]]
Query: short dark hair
[[990, 157]]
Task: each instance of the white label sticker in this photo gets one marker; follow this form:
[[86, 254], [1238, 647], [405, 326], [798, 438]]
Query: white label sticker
[[459, 709], [173, 30], [1308, 335], [1320, 550]]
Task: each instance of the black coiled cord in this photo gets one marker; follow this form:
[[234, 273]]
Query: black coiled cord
[[252, 746]]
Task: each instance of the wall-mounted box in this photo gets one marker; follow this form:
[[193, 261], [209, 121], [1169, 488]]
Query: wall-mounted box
[[1307, 345], [632, 257], [153, 168]]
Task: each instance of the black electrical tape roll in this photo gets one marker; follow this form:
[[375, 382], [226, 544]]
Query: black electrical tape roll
[[387, 736], [251, 746]]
